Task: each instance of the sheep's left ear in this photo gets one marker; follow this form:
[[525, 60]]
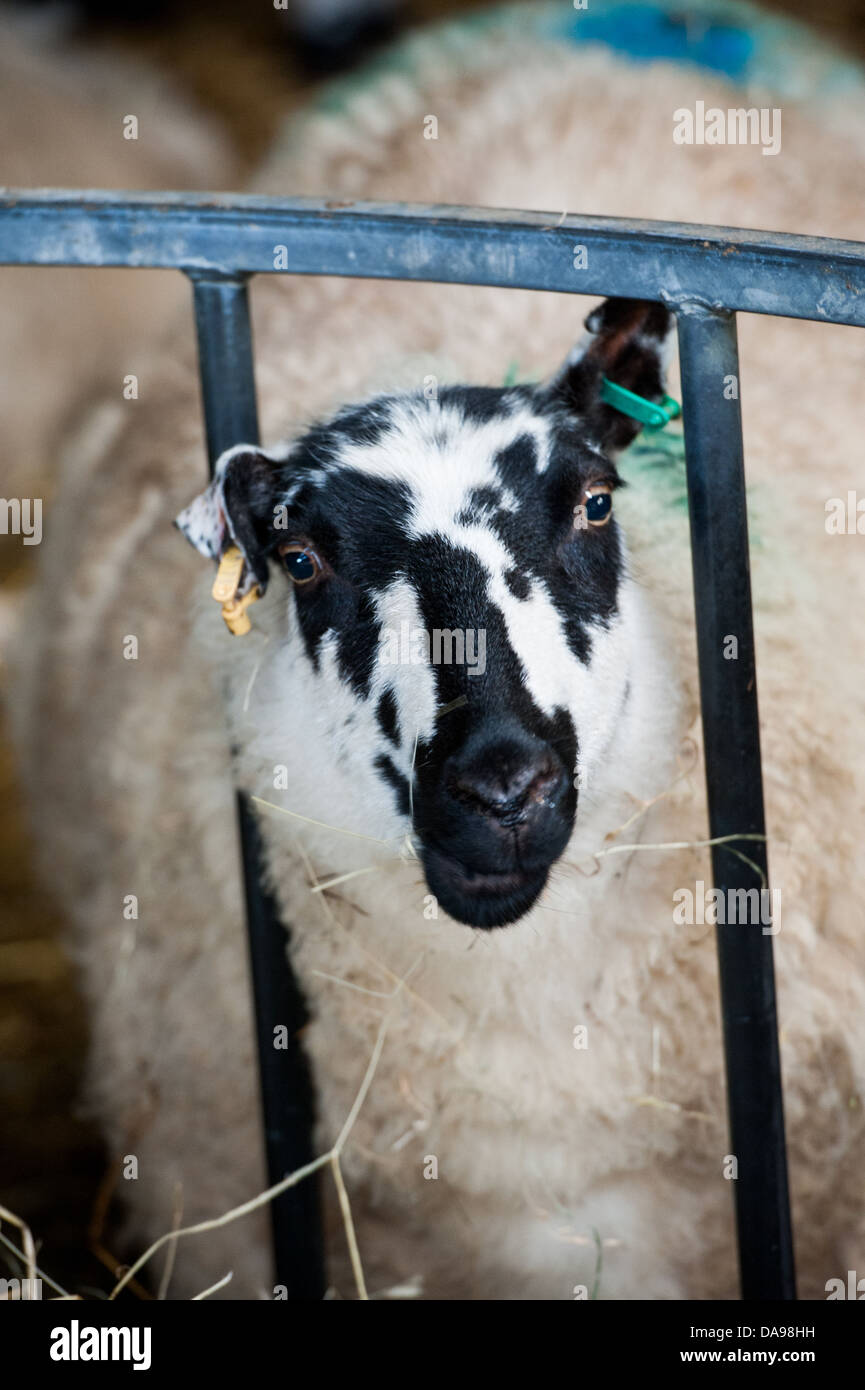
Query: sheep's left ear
[[235, 509], [629, 341]]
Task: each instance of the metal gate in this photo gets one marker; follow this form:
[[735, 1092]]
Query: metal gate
[[705, 275]]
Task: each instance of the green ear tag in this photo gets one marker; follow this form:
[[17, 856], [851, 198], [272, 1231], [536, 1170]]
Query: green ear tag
[[653, 415]]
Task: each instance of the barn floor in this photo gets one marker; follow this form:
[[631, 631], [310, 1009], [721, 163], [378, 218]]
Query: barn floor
[[52, 1163]]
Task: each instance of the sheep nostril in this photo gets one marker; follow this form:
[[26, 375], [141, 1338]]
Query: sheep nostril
[[508, 796]]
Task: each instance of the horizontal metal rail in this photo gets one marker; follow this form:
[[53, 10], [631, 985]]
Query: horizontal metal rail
[[719, 267], [705, 274]]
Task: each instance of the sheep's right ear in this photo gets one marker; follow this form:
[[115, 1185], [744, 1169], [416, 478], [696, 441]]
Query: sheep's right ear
[[628, 341], [237, 508]]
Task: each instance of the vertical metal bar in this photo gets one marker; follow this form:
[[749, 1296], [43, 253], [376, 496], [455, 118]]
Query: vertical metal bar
[[228, 393], [728, 694]]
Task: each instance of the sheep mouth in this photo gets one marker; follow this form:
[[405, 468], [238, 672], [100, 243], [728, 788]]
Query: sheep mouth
[[479, 897]]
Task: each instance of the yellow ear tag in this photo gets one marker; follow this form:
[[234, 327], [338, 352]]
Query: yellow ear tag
[[225, 586]]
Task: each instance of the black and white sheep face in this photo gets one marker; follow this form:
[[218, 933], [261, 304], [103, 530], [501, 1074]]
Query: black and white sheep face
[[454, 567]]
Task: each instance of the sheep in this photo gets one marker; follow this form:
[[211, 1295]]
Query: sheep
[[548, 1087]]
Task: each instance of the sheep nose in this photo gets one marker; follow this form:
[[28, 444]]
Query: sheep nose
[[508, 787]]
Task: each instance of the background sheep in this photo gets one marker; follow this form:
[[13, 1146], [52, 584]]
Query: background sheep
[[537, 1143], [66, 332]]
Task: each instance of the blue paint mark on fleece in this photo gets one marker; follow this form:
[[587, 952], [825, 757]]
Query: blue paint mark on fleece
[[648, 33]]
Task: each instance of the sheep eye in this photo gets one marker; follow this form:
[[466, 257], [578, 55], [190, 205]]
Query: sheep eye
[[301, 563], [598, 502]]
